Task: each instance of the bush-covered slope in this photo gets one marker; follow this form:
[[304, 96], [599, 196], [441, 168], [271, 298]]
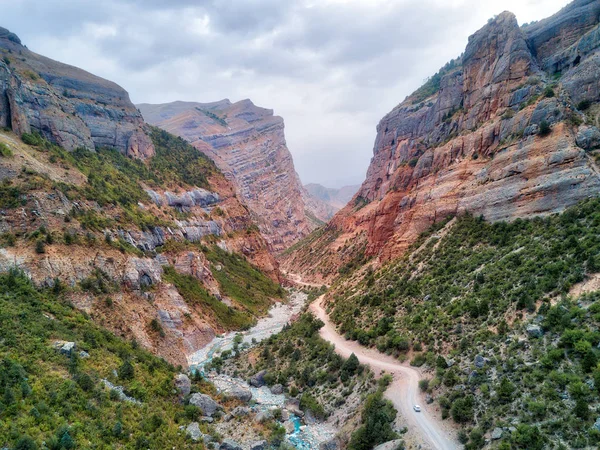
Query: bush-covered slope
[[47, 396], [490, 310]]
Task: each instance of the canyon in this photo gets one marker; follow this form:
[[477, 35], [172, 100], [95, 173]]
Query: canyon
[[170, 230], [248, 144]]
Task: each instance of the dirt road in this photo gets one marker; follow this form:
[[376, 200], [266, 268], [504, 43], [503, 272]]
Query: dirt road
[[404, 390]]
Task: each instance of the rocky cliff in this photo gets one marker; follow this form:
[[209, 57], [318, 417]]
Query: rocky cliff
[[66, 105], [129, 223], [508, 130], [248, 144]]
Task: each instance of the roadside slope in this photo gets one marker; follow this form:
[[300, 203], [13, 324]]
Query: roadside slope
[[403, 392]]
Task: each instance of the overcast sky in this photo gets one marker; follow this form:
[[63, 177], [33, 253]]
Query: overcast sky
[[330, 68]]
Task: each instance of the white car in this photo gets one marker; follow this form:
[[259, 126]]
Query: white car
[[417, 408]]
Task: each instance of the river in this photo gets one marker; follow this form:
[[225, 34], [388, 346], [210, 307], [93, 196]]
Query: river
[[303, 436]]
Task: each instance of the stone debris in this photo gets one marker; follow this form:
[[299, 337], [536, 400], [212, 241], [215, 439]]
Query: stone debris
[[208, 406], [243, 395], [496, 434], [229, 444], [259, 445], [390, 445], [277, 389], [258, 380], [534, 331]]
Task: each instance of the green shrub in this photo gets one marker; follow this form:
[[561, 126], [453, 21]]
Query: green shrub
[[377, 417], [583, 105], [32, 139], [462, 409], [544, 129], [40, 247], [196, 294], [5, 150]]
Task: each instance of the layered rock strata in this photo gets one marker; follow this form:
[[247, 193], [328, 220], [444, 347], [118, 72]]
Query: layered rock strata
[[504, 132], [248, 144]]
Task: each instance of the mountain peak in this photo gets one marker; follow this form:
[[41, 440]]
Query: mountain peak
[[6, 34]]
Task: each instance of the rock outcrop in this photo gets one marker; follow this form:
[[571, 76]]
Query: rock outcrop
[[248, 144], [66, 105], [495, 133]]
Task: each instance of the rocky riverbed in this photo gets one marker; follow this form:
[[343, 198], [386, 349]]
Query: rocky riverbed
[[302, 434]]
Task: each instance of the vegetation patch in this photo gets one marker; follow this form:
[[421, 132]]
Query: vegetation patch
[[243, 282], [47, 396], [196, 294], [486, 310]]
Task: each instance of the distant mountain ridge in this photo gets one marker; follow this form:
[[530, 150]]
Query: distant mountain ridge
[[337, 198], [248, 144]]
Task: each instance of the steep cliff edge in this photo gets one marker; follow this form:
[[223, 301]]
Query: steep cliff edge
[[506, 131], [248, 144], [66, 105]]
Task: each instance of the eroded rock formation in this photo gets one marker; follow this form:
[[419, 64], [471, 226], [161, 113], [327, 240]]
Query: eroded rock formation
[[248, 144]]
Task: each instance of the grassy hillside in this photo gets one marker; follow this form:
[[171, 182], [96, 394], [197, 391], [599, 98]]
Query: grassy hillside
[[461, 302]]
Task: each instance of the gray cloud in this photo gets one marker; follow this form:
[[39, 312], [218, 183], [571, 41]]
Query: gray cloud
[[331, 68]]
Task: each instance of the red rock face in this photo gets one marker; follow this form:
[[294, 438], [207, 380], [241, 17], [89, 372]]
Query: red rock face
[[248, 144], [473, 144]]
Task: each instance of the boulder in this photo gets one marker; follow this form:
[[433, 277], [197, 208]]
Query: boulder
[[205, 403], [496, 434], [193, 431], [230, 444], [331, 444], [259, 445], [65, 347], [277, 389], [428, 399], [289, 426], [240, 411], [83, 354], [183, 384], [243, 395], [479, 361], [263, 416], [258, 380], [534, 331], [588, 138], [597, 424], [390, 445], [293, 406]]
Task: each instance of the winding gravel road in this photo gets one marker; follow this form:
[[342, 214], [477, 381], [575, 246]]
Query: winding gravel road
[[404, 390]]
